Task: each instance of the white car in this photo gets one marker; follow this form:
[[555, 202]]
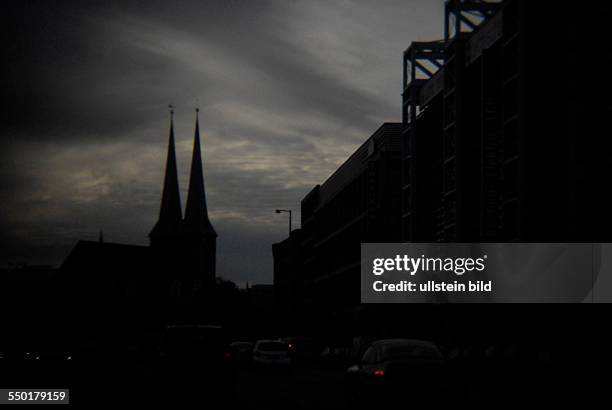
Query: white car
[[271, 353]]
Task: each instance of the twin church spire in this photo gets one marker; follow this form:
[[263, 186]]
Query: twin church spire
[[171, 200], [171, 222], [196, 212]]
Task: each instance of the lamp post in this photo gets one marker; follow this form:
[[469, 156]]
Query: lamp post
[[286, 211]]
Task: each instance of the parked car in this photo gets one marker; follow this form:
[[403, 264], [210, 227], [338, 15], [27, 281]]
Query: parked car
[[360, 345], [271, 353], [401, 370]]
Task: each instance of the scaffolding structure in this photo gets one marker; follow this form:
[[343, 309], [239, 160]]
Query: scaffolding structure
[[482, 115], [433, 117]]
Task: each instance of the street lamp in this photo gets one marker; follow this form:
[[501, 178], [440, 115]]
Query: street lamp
[[286, 211]]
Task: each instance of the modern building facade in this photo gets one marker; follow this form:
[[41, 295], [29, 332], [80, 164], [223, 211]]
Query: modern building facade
[[287, 271], [318, 266], [502, 140], [502, 126]]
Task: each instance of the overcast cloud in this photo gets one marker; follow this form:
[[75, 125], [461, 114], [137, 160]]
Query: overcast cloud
[[287, 91]]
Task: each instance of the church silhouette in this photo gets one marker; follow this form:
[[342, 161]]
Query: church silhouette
[[144, 283], [188, 245]]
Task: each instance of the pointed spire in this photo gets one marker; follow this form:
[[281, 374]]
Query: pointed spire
[[170, 214], [196, 212]]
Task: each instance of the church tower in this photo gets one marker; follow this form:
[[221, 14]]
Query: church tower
[[199, 235], [185, 248], [169, 225]]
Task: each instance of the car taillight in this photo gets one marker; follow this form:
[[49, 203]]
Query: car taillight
[[379, 372], [290, 346], [228, 355]]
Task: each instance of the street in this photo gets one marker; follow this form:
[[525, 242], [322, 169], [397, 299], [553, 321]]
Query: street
[[307, 386]]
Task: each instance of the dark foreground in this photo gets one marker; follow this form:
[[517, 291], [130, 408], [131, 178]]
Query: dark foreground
[[303, 385]]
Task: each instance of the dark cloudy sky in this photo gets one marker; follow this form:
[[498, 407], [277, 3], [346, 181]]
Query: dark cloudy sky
[[288, 89]]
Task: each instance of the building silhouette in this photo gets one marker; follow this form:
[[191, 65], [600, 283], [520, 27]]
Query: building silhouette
[[503, 139], [287, 270], [318, 266], [186, 245], [502, 126], [116, 282]]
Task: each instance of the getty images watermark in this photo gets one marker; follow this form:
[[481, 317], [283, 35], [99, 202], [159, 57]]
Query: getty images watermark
[[486, 273]]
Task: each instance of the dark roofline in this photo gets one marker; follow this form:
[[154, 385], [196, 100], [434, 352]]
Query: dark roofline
[[354, 154], [109, 244], [80, 244], [386, 128]]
